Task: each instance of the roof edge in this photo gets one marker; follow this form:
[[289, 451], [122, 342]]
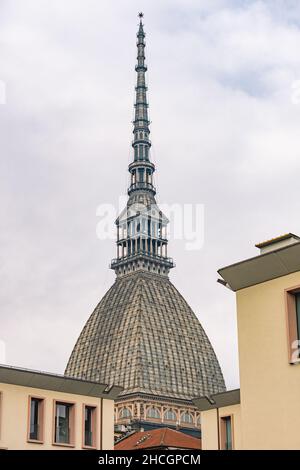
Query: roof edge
[[218, 400], [274, 240], [269, 254], [61, 383]]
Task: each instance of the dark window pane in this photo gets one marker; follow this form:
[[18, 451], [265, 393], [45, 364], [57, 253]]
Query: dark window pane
[[228, 433], [88, 426], [34, 419], [141, 175], [62, 423]]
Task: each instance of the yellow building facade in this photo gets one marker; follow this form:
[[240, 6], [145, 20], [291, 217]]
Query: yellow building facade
[[266, 412], [40, 411]]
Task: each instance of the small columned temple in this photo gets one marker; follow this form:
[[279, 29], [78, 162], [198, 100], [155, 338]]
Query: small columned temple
[[143, 336]]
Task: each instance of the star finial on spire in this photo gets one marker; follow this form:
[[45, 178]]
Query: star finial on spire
[[140, 15]]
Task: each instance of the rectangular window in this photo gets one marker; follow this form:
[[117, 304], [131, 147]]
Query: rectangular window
[[141, 175], [36, 417], [226, 433], [64, 423], [293, 325], [141, 147], [89, 426]]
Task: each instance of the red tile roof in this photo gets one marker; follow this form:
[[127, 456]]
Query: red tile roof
[[155, 438]]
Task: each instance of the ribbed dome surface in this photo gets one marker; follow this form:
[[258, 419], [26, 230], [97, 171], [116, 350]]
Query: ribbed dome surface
[[145, 337]]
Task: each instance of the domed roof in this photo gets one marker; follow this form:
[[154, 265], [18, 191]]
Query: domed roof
[[144, 336]]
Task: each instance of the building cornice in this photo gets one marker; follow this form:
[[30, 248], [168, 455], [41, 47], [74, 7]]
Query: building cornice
[[60, 383], [262, 268]]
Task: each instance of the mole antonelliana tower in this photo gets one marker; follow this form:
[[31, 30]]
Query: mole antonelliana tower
[[143, 335]]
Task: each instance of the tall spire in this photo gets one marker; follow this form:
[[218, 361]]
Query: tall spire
[[141, 227], [141, 169]]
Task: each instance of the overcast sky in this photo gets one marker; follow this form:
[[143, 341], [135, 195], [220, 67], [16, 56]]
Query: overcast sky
[[225, 130]]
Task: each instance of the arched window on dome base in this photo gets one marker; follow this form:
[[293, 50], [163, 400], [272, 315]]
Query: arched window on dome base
[[153, 413], [170, 415], [187, 418], [125, 413]]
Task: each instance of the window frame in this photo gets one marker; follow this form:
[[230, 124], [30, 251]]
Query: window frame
[[187, 423], [41, 416], [122, 410], [71, 442], [223, 431], [170, 410], [94, 426], [157, 418], [292, 323]]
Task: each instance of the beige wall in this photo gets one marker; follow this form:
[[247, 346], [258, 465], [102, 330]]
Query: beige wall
[[210, 428], [269, 414], [270, 386], [14, 417], [108, 424]]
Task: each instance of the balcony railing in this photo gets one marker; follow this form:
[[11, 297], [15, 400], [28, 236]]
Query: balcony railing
[[62, 435], [160, 259], [140, 141], [141, 185], [143, 235]]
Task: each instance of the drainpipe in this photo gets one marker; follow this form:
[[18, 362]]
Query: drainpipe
[[218, 428]]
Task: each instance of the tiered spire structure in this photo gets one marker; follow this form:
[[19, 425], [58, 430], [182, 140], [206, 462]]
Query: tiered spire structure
[[141, 227], [143, 335], [141, 169]]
